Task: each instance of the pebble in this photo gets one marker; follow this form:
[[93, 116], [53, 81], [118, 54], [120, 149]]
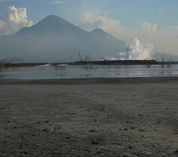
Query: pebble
[[128, 155]]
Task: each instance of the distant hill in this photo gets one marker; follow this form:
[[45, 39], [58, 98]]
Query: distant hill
[[54, 39], [13, 60]]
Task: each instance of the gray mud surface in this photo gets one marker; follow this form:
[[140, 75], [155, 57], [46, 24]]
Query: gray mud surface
[[99, 118]]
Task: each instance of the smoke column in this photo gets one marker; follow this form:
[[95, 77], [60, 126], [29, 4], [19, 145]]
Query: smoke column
[[135, 50]]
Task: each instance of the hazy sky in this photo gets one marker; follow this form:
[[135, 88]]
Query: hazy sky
[[153, 21]]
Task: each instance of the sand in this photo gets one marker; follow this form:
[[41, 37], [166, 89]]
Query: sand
[[91, 117]]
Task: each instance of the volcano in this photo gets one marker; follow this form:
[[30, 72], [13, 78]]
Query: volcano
[[56, 40]]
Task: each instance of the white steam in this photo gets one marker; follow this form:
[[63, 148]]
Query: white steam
[[135, 50]]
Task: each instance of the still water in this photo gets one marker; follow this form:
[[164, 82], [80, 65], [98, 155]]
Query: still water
[[78, 71]]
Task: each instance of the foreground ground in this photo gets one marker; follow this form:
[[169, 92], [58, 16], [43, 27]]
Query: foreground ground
[[86, 118]]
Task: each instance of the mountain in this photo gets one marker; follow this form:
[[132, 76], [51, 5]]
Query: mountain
[[56, 40]]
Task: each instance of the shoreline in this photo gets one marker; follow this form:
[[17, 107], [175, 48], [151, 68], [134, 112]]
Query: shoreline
[[78, 81]]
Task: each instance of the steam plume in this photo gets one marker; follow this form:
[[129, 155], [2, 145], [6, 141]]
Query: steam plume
[[135, 50]]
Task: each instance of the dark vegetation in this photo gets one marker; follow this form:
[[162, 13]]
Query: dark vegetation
[[87, 62], [2, 65]]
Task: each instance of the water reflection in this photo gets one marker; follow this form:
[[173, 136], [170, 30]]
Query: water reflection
[[1, 76], [77, 71]]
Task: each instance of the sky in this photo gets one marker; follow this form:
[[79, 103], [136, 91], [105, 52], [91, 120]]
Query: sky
[[151, 21]]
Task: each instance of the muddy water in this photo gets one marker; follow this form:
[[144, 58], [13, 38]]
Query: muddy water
[[50, 72]]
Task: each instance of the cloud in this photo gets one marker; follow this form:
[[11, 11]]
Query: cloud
[[164, 39], [2, 24], [90, 21], [174, 28], [13, 19], [150, 28], [173, 31], [57, 2]]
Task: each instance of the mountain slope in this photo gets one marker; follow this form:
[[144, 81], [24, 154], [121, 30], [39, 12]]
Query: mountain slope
[[52, 24], [106, 43], [54, 39]]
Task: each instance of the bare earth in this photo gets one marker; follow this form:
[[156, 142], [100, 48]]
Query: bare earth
[[86, 118]]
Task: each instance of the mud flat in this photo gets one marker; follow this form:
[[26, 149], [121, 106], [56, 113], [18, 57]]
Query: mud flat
[[89, 117]]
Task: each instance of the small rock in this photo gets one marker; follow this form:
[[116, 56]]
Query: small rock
[[176, 152], [98, 152], [92, 130], [97, 141], [68, 137], [44, 130], [128, 155], [130, 147], [24, 152], [148, 153], [141, 130], [158, 122]]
